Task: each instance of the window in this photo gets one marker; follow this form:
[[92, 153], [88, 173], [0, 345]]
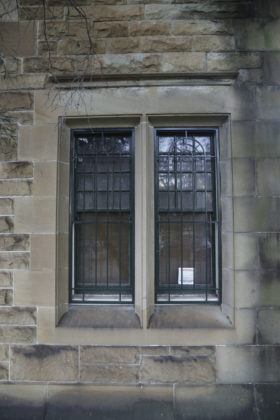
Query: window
[[102, 216], [187, 221]]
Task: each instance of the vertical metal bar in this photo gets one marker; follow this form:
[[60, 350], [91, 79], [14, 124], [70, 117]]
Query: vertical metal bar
[[168, 220], [120, 230], [132, 214], [107, 215], [96, 211]]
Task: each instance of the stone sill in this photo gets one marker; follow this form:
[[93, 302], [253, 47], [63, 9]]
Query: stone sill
[[70, 81]]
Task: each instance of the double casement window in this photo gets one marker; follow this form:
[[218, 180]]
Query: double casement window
[[186, 215]]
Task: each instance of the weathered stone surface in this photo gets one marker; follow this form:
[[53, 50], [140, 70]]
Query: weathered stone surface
[[38, 13], [44, 363], [16, 170], [268, 326], [201, 26], [18, 38], [268, 99], [22, 118], [111, 29], [256, 214], [11, 334], [15, 260], [193, 351], [213, 43], [269, 250], [12, 101], [14, 242], [35, 215], [23, 81], [8, 10], [251, 364], [163, 44], [232, 61], [17, 187], [4, 352], [111, 13], [110, 374], [10, 65], [90, 354], [59, 30], [215, 402], [34, 288], [6, 224], [268, 398], [130, 63], [38, 143], [258, 35], [268, 175], [4, 371], [8, 147], [80, 47], [122, 45], [6, 296], [243, 176], [271, 67], [43, 253], [268, 8], [45, 179], [267, 139], [145, 28], [180, 62], [246, 251], [177, 369], [18, 316], [254, 76], [6, 206], [46, 48], [6, 278], [43, 64]]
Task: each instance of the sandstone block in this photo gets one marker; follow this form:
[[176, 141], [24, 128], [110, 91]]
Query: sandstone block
[[163, 44], [43, 64], [268, 326], [8, 147], [129, 63], [269, 247], [110, 374], [4, 371], [22, 118], [6, 206], [14, 260], [35, 215], [12, 101], [16, 170], [258, 35], [43, 251], [232, 61], [4, 352], [44, 183], [243, 177], [201, 26], [14, 242], [110, 29], [213, 43], [243, 134], [179, 62], [271, 67], [251, 364], [249, 214], [8, 10], [18, 38], [246, 251], [80, 47], [38, 143], [24, 335], [46, 48], [18, 316], [6, 278], [268, 175], [61, 30], [6, 296], [6, 224], [154, 350], [193, 351], [111, 13], [177, 369], [34, 288], [23, 81], [15, 187], [122, 45], [38, 13], [267, 139], [268, 99], [114, 354], [145, 28], [267, 396], [10, 65], [44, 363]]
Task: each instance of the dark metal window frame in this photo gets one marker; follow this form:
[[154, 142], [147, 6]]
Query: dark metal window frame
[[216, 252], [72, 212]]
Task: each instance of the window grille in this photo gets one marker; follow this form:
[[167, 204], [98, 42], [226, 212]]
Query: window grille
[[102, 216], [187, 216]]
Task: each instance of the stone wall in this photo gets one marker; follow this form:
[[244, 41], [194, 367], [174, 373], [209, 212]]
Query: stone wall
[[237, 367]]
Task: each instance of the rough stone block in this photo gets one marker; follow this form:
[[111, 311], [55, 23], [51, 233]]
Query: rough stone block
[[177, 369], [109, 374], [154, 350], [111, 29], [14, 260], [43, 64], [114, 354], [268, 99], [14, 188], [129, 63], [4, 352], [8, 10], [4, 371], [44, 363], [268, 175], [16, 170], [61, 30], [18, 38], [271, 67], [20, 401], [122, 45], [14, 242], [213, 43], [215, 402], [12, 101], [24, 81], [10, 65], [45, 48], [22, 118], [6, 296], [8, 148], [193, 351], [163, 44], [18, 316], [24, 335], [111, 13], [146, 28], [243, 176], [268, 326], [80, 47], [6, 224], [267, 139], [251, 364], [39, 143], [256, 214], [6, 206], [6, 278], [38, 13], [179, 62], [232, 61], [200, 26]]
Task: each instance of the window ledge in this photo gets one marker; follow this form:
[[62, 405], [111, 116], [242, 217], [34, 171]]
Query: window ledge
[[100, 316], [188, 316]]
